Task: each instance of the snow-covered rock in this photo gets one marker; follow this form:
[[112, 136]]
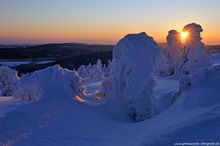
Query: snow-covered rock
[[134, 60], [194, 57]]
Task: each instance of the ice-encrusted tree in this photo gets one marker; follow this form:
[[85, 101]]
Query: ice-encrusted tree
[[82, 72], [184, 58], [194, 57], [172, 54], [134, 59], [95, 71], [8, 80], [107, 70], [28, 93]]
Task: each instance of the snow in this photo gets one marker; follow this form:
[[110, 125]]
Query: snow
[[165, 92], [184, 58], [135, 58], [16, 63], [215, 59], [8, 104], [94, 86], [57, 119]]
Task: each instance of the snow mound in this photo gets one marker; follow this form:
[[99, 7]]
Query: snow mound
[[69, 80], [134, 60], [201, 88]]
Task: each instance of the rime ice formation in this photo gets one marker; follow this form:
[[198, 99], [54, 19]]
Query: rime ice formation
[[184, 58], [8, 80], [82, 72], [194, 57], [96, 71], [172, 54], [134, 60]]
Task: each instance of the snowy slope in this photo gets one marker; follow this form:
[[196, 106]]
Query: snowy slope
[[58, 119]]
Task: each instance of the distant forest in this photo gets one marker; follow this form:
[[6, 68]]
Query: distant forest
[[68, 55]]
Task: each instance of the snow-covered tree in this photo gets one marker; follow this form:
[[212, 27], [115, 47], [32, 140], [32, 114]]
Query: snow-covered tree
[[172, 54], [28, 93], [82, 72], [184, 58], [99, 65], [107, 70], [8, 80], [134, 59], [194, 57]]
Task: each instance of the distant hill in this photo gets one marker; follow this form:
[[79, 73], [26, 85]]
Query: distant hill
[[50, 51], [212, 49]]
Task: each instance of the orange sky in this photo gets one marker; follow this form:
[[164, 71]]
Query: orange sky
[[103, 22]]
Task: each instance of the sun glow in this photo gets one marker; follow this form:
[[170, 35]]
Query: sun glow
[[184, 35]]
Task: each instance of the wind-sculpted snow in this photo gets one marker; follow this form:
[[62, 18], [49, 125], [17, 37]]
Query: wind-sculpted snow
[[134, 59], [63, 77], [201, 88]]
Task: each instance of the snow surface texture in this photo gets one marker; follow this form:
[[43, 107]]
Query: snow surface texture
[[135, 58], [57, 119], [184, 58]]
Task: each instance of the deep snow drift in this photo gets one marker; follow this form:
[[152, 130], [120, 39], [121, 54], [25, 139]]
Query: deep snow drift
[[65, 112]]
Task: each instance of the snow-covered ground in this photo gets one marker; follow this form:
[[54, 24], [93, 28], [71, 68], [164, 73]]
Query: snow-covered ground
[[8, 104], [16, 63], [58, 119], [68, 111]]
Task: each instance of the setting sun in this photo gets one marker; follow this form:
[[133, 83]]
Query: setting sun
[[184, 35]]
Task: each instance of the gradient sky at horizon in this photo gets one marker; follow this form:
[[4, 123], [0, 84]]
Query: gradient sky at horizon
[[103, 22]]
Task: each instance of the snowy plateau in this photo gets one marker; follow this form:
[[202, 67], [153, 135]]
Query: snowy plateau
[[144, 96]]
